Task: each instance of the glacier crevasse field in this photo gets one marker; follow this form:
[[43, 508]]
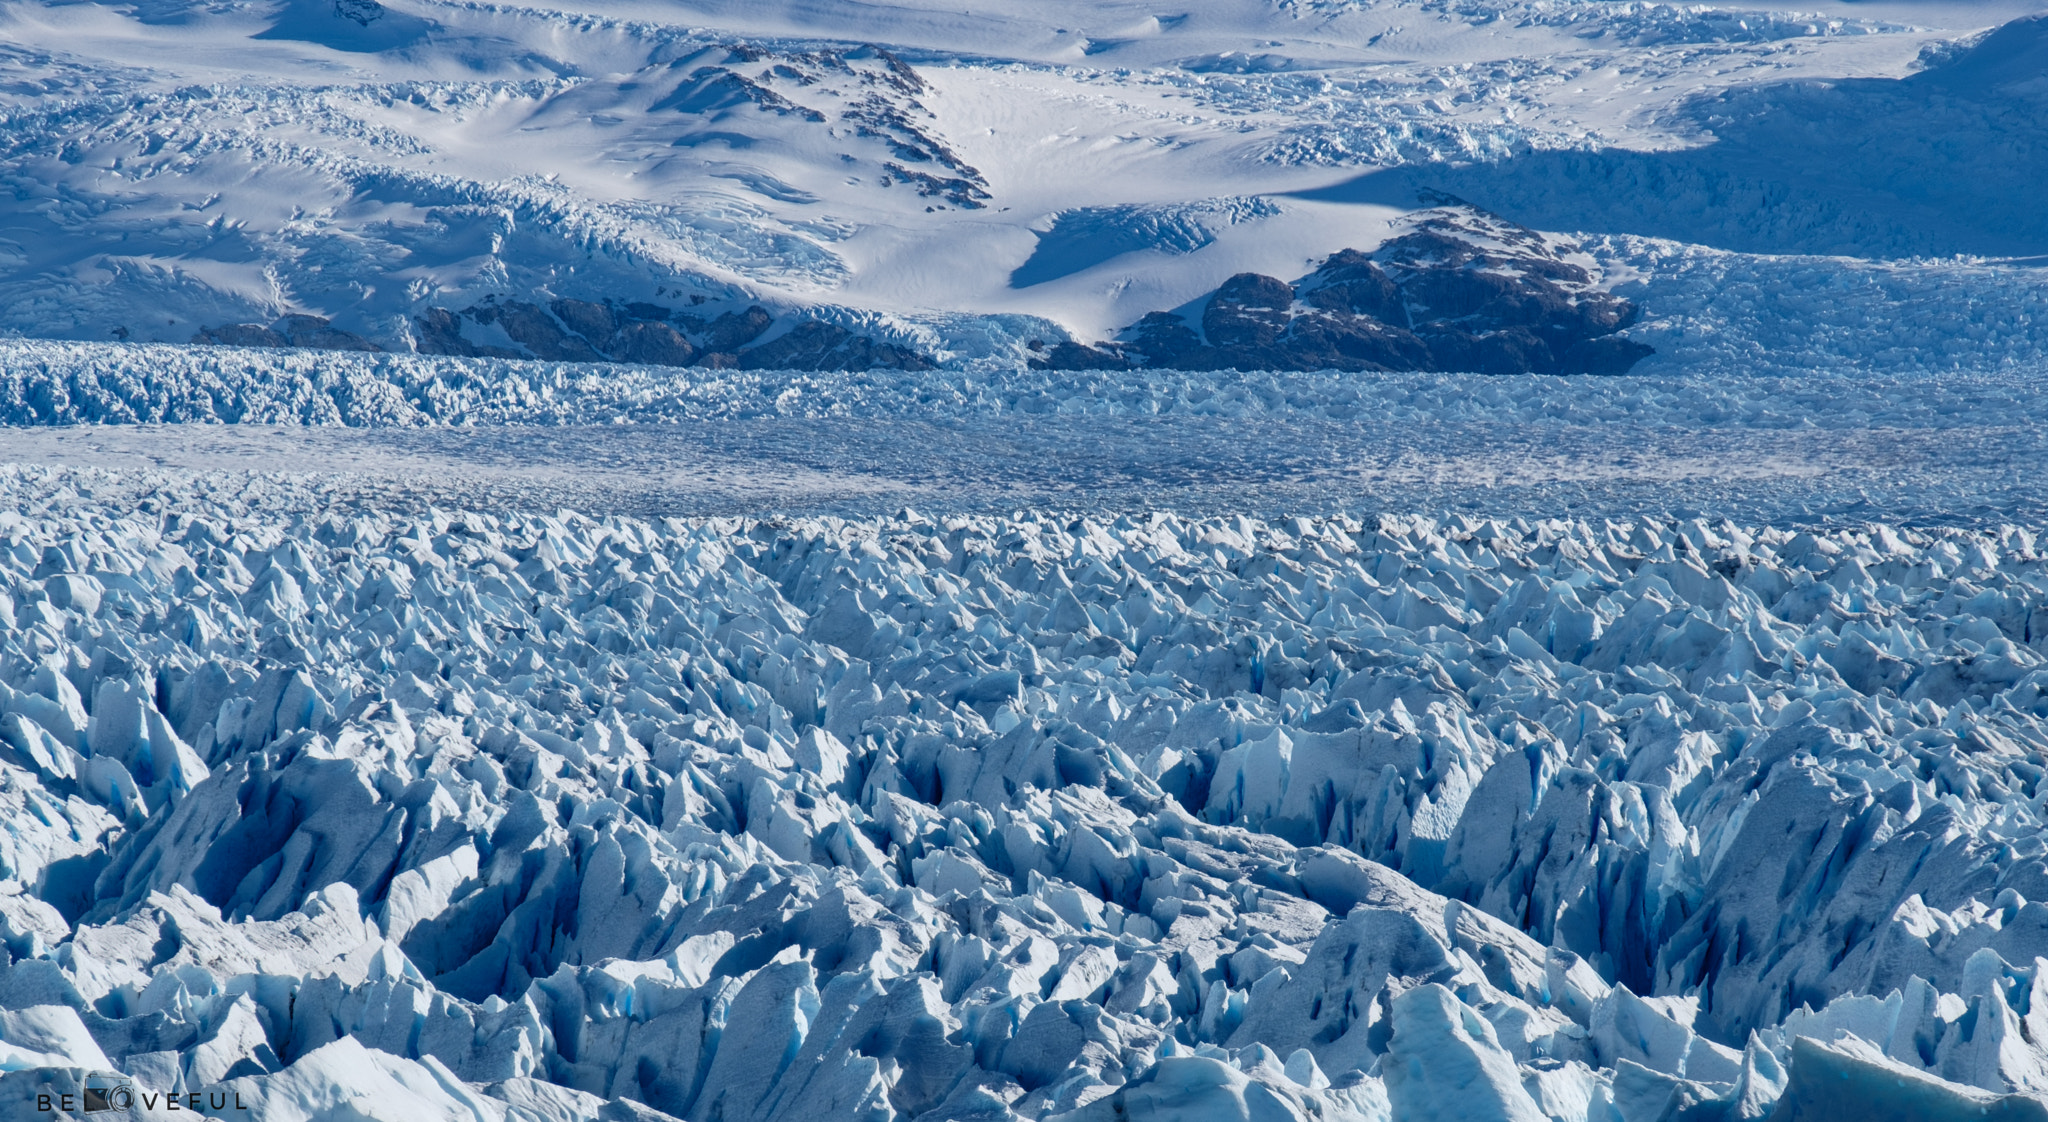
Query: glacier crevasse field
[[549, 572]]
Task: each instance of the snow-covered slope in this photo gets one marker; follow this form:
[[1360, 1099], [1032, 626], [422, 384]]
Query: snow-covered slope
[[889, 168]]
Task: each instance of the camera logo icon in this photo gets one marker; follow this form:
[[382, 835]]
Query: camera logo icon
[[103, 1094]]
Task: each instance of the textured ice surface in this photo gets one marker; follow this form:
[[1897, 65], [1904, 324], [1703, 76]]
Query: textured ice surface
[[1083, 238], [129, 424], [522, 816], [1980, 376], [353, 788]]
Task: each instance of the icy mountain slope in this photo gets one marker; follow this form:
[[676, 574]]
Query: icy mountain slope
[[479, 816], [1939, 163], [1810, 330], [1456, 288], [435, 176]]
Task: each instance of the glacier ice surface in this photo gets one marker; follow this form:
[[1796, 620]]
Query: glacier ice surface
[[490, 815]]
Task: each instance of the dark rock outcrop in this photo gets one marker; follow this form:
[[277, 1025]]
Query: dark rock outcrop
[[592, 321], [240, 335], [568, 330], [1463, 290], [541, 334], [652, 344], [584, 331], [437, 331], [363, 12], [1353, 283], [733, 330], [1070, 355], [313, 332], [812, 345], [1248, 311]]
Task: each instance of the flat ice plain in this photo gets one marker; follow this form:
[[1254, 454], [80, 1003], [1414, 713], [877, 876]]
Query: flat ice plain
[[404, 738]]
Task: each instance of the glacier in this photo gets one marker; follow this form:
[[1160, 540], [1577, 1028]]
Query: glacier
[[625, 562], [499, 815]]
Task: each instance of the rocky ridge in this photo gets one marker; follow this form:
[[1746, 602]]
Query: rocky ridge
[[583, 331], [1461, 290]]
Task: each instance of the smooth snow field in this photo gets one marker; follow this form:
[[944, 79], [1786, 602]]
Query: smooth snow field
[[453, 727]]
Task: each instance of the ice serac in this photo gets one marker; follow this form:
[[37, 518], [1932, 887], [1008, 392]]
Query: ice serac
[[1847, 1081], [347, 1080], [550, 817], [1444, 1063], [47, 1036]]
